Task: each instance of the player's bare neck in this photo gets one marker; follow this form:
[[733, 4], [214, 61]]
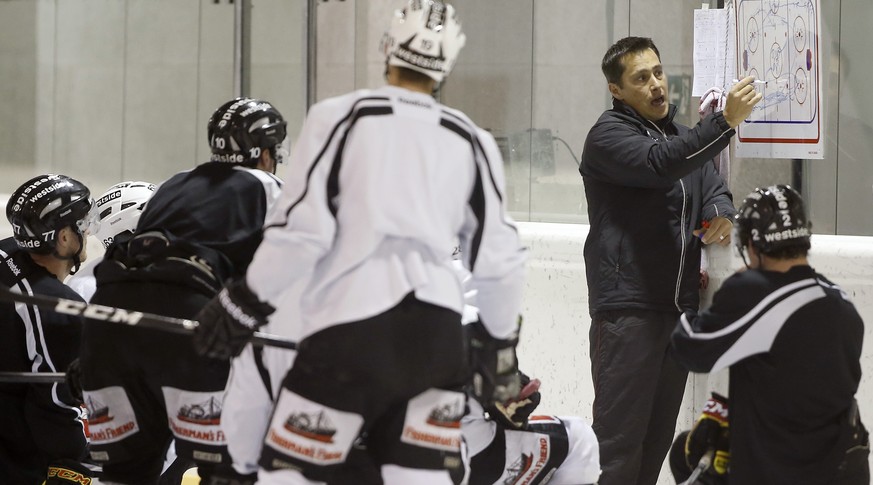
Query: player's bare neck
[[58, 267], [414, 87], [782, 265], [409, 80]]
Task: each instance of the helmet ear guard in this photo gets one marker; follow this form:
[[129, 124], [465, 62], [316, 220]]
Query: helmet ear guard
[[424, 36]]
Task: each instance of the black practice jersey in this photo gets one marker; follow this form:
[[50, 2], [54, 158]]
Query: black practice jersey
[[34, 340], [39, 422], [217, 205], [793, 344]]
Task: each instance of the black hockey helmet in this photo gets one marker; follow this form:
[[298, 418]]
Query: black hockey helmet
[[43, 206], [242, 128], [771, 219]]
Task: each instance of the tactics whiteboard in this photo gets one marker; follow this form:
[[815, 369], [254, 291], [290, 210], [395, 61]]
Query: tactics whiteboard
[[778, 42]]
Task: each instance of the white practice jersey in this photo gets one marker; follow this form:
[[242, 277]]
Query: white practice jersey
[[254, 383], [381, 183]]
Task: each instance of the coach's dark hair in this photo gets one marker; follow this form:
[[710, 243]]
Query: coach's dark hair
[[612, 66]]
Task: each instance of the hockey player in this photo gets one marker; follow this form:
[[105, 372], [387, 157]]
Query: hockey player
[[792, 340], [505, 446], [253, 386], [383, 181], [119, 209], [42, 437], [510, 445], [199, 229]]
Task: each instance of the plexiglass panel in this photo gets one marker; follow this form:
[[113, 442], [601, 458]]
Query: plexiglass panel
[[109, 90]]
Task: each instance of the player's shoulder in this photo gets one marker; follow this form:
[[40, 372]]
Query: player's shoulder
[[749, 278], [51, 286], [19, 268], [340, 106], [830, 287], [266, 179], [460, 119], [756, 284], [748, 286], [459, 116]]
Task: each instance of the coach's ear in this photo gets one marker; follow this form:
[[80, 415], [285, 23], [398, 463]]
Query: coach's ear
[[616, 91]]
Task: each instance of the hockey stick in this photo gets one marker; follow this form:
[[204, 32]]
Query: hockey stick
[[32, 377], [128, 317], [702, 466]]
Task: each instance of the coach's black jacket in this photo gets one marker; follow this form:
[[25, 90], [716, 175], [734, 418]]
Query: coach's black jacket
[[648, 186]]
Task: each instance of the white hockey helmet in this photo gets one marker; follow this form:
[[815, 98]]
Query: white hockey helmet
[[424, 36], [119, 209]]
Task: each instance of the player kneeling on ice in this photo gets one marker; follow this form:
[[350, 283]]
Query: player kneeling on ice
[[792, 339], [508, 444], [146, 387]]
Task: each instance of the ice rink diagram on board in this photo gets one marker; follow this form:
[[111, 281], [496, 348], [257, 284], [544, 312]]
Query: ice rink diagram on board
[[778, 43]]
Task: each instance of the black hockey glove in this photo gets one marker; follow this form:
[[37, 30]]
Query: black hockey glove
[[682, 473], [228, 321], [494, 365], [515, 413], [710, 434], [73, 379]]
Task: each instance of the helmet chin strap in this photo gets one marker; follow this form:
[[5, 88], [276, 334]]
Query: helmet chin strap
[[77, 262], [746, 262], [438, 88], [274, 154], [742, 251]]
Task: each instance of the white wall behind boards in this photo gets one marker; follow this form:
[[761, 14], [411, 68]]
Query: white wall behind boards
[[554, 338]]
